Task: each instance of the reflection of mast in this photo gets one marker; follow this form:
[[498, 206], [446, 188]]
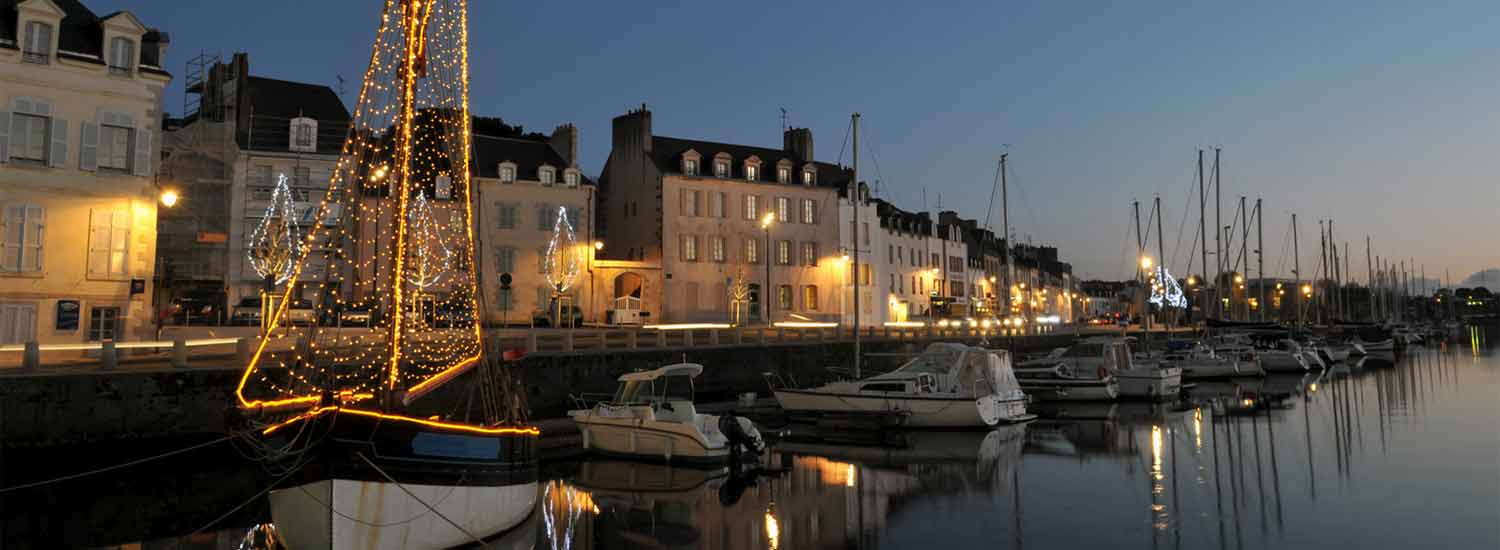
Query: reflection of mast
[[1312, 472], [1275, 472], [1218, 488]]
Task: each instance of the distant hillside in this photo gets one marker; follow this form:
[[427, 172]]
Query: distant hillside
[[1489, 278]]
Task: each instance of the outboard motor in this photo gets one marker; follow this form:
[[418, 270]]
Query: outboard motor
[[741, 434]]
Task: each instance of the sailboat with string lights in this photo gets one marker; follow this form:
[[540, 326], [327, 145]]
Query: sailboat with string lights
[[406, 414]]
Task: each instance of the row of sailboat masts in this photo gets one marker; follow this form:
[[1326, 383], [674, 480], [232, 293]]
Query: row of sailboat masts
[[1231, 266]]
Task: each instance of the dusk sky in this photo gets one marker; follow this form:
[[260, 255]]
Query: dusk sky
[[1384, 116]]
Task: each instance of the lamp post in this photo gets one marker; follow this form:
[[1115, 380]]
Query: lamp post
[[593, 293], [765, 224]]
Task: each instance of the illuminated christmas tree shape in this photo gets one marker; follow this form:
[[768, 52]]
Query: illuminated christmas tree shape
[[273, 245], [561, 264], [1165, 291], [433, 258], [375, 246]]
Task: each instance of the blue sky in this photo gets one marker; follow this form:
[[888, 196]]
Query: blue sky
[[1382, 115]]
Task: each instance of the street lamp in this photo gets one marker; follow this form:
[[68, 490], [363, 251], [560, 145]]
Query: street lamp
[[169, 198], [765, 224], [1145, 262]]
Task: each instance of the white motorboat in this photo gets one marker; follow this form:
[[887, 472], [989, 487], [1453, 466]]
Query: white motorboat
[[1110, 357], [948, 385], [652, 416], [1199, 361], [1274, 354]]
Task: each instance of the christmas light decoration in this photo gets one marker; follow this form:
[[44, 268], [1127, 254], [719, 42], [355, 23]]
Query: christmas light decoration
[[381, 247], [562, 263], [1164, 289], [273, 245]]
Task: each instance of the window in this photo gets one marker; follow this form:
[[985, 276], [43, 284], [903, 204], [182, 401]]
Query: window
[[955, 263], [690, 202], [505, 259], [301, 176], [690, 167], [716, 205], [121, 55], [262, 176], [718, 249], [507, 301], [901, 285], [956, 287], [261, 193], [24, 227], [17, 323], [809, 211], [752, 251], [892, 287], [38, 45], [866, 235], [114, 147], [29, 137], [752, 172], [546, 217], [935, 261], [721, 168], [866, 275], [783, 209], [541, 262], [784, 252], [807, 177], [109, 240], [899, 251], [570, 178], [752, 207], [890, 254], [784, 297], [809, 253], [574, 214], [690, 248], [783, 174], [442, 187], [507, 173], [810, 298], [304, 135], [105, 323], [547, 175]]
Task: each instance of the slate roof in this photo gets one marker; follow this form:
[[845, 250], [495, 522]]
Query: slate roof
[[528, 155], [274, 103], [667, 152], [82, 32]]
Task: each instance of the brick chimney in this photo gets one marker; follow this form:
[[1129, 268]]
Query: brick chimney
[[798, 142], [564, 140], [632, 131]]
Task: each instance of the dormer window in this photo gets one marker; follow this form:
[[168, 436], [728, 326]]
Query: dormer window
[[807, 176], [690, 167], [721, 165], [784, 171], [507, 172], [570, 177], [547, 175], [752, 168], [121, 56], [37, 47], [304, 138]]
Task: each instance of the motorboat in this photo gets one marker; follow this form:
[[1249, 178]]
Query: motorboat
[[652, 416], [948, 385], [1404, 335], [1110, 357], [1276, 353], [1199, 361], [1052, 380]]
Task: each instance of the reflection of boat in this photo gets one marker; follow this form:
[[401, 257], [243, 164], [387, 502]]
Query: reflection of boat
[[605, 477], [949, 385], [652, 416], [938, 460]]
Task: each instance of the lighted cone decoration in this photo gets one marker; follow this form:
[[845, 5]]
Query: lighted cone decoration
[[562, 264], [394, 226], [273, 247]]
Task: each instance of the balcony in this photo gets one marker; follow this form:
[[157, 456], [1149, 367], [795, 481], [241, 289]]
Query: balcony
[[39, 58]]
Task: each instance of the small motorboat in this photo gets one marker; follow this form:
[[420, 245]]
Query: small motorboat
[[1145, 379], [1276, 354], [949, 385], [652, 417], [1060, 382], [1199, 361]]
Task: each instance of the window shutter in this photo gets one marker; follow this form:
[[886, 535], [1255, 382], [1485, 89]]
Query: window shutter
[[4, 137], [36, 224], [142, 152], [88, 146], [58, 156], [10, 246]]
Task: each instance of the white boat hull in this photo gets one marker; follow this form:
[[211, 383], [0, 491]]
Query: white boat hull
[[1198, 368], [650, 439], [1154, 384], [1071, 390], [386, 517], [916, 411]]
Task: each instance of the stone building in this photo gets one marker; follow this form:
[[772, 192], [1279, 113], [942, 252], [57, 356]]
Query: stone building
[[80, 109]]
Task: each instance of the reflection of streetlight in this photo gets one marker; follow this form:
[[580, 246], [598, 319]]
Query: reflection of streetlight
[[169, 198]]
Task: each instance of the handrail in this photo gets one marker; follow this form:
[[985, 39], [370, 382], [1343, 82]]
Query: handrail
[[93, 346]]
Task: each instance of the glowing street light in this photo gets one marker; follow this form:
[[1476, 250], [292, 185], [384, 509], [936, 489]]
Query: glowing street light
[[1239, 279], [598, 245], [169, 198], [767, 220], [1307, 290], [1145, 262]]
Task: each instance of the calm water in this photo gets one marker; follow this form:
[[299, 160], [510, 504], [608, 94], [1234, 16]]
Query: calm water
[[1375, 455]]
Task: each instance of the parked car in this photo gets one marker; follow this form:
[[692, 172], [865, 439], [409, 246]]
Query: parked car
[[301, 313], [572, 316], [189, 310]]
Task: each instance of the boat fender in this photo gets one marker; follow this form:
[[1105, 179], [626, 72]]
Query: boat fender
[[1103, 373], [740, 431]]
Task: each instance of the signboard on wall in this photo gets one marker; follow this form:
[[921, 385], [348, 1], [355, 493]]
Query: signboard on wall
[[137, 286], [67, 315]]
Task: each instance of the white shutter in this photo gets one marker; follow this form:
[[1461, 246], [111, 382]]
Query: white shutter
[[142, 152], [36, 225], [58, 156], [10, 245], [4, 137], [88, 146]]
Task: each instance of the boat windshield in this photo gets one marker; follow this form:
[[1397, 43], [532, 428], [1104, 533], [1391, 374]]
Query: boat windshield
[[1085, 350], [936, 360], [635, 392]]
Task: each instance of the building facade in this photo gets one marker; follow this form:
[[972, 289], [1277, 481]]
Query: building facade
[[726, 221], [80, 112]]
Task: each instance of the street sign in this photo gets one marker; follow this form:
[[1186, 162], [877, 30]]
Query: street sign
[[505, 280]]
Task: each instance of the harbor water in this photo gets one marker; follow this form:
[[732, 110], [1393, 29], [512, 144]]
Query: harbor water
[[1392, 453]]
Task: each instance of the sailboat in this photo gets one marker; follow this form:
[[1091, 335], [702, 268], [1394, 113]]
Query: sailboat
[[348, 413]]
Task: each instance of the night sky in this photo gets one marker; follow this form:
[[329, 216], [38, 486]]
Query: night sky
[[1382, 115]]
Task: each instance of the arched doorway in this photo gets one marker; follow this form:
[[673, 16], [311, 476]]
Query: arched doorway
[[626, 307]]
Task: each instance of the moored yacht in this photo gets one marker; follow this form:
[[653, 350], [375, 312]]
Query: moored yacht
[[1200, 361], [948, 385], [1110, 358], [652, 416]]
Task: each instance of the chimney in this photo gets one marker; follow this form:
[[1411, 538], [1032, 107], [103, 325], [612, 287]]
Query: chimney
[[798, 142], [564, 140], [632, 131]]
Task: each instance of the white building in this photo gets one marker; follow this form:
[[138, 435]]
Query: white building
[[80, 105]]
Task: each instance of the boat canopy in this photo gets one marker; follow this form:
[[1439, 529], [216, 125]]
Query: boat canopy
[[691, 370], [958, 368]]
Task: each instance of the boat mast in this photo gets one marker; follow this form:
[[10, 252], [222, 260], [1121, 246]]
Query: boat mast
[[1202, 237], [1344, 286], [1005, 231], [1297, 271], [854, 200], [1218, 234], [1337, 278], [1140, 254], [1245, 256], [1161, 264], [1369, 279], [1260, 259]]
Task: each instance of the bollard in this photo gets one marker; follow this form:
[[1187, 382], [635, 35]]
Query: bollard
[[568, 341], [631, 339], [531, 341], [661, 338], [107, 357], [713, 337], [687, 338], [31, 359], [179, 353], [242, 350]]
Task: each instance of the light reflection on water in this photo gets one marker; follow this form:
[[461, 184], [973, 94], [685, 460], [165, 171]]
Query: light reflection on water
[[1382, 453]]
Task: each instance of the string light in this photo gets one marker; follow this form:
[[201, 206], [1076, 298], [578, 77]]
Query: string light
[[561, 264], [273, 246], [1164, 289]]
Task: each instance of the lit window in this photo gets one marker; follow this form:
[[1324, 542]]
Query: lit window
[[690, 248], [105, 323], [752, 251], [121, 56], [507, 173], [783, 209], [809, 211], [810, 298], [784, 297], [809, 253], [752, 172], [690, 167], [783, 174], [548, 175], [784, 252], [570, 178], [752, 207], [807, 177], [38, 45], [718, 249], [721, 168], [690, 202]]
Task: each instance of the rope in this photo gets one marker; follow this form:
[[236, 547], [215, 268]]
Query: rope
[[115, 467], [403, 488], [251, 499]]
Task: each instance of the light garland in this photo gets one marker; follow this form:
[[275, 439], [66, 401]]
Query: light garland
[[273, 245], [381, 245], [1165, 291], [561, 264]]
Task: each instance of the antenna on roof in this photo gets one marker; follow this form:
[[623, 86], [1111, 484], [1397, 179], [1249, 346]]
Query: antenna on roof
[[783, 119], [341, 85]]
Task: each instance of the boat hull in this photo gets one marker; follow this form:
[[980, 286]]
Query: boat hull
[[1071, 390], [913, 411], [341, 513], [1154, 384], [1282, 362], [629, 437]]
